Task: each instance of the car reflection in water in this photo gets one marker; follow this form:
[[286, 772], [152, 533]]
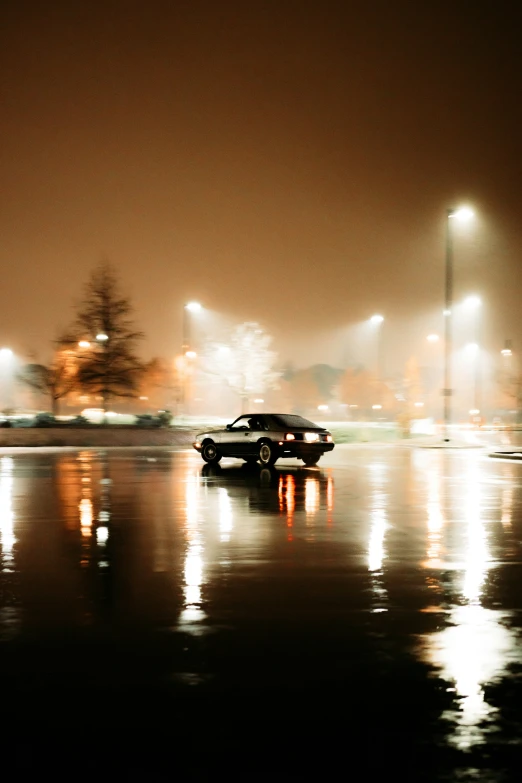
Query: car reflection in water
[[288, 491]]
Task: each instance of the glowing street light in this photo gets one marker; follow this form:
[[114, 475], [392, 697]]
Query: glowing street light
[[6, 377], [472, 302], [433, 338], [102, 337], [377, 321], [84, 344], [189, 309], [461, 214]]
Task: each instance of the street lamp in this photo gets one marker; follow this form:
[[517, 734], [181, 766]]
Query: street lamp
[[6, 377], [460, 214], [187, 353], [188, 309], [377, 321]]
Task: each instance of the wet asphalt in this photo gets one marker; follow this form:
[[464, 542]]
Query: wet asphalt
[[359, 620]]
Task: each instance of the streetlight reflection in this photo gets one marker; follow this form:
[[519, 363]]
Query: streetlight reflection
[[476, 646], [7, 517], [311, 495], [225, 515], [192, 614], [477, 553], [435, 520], [378, 527]]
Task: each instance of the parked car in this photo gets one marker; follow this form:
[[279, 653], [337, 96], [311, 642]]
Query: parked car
[[266, 437]]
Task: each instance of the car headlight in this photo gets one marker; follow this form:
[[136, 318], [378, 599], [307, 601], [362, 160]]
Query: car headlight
[[329, 439], [289, 436], [311, 437]]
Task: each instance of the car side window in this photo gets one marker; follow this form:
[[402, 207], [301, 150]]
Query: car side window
[[241, 424]]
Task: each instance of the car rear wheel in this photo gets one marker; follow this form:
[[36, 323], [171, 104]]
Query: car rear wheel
[[267, 454], [312, 459], [210, 453]]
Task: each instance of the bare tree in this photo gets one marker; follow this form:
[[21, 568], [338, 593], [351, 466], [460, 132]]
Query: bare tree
[[57, 379], [246, 363], [109, 366]]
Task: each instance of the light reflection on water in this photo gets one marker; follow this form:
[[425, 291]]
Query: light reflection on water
[[192, 614], [10, 619], [7, 517], [378, 526], [238, 521], [477, 645]]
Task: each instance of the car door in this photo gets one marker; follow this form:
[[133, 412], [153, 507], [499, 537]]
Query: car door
[[257, 429], [235, 440]]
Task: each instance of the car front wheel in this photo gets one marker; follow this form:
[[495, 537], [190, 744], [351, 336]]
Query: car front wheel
[[210, 453], [267, 454], [313, 459]]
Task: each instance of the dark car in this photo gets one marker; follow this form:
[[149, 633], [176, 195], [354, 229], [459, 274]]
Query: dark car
[[266, 437]]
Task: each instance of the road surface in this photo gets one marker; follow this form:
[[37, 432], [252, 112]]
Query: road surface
[[360, 619]]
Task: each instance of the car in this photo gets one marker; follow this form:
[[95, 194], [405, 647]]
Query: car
[[265, 437]]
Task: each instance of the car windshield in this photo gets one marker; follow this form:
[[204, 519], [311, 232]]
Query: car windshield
[[290, 420]]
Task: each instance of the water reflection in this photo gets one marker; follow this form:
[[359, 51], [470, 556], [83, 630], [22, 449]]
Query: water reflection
[[7, 517], [477, 645], [294, 493], [225, 515], [192, 613], [378, 527], [471, 653], [435, 517], [286, 494]]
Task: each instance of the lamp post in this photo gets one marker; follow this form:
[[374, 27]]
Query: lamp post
[[186, 353], [188, 309], [512, 376], [6, 377], [463, 213], [102, 340], [377, 321]]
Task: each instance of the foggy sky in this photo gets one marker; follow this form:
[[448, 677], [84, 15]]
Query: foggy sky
[[287, 162]]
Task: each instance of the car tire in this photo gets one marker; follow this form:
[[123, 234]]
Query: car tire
[[210, 453], [267, 453], [313, 459]]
